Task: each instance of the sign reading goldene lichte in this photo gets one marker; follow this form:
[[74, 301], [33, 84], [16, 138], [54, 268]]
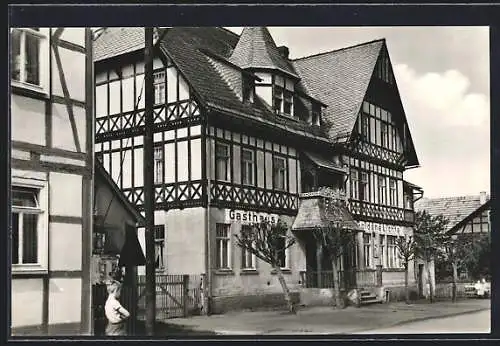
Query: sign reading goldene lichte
[[382, 228]]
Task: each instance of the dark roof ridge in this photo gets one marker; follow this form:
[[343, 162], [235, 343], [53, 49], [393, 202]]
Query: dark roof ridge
[[227, 30], [454, 197], [339, 49]]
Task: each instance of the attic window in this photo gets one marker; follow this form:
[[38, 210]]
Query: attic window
[[248, 88], [283, 96], [316, 115]]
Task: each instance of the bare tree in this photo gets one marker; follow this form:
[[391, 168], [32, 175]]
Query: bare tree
[[335, 239], [269, 242], [406, 253], [429, 240], [456, 252]]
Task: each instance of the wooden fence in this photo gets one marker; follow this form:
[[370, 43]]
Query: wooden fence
[[347, 279], [176, 296]]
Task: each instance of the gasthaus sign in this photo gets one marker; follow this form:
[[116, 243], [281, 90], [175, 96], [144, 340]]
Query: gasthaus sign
[[249, 217]]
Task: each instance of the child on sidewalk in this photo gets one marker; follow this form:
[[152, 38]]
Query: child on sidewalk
[[115, 312]]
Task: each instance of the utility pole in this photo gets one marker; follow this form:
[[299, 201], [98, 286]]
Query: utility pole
[[149, 200]]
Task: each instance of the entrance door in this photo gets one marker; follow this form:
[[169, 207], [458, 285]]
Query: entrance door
[[420, 280], [349, 266]]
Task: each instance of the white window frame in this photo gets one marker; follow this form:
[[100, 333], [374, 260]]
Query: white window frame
[[159, 166], [159, 82], [245, 165], [227, 160], [43, 34], [368, 250], [160, 245], [393, 192], [229, 244], [244, 254], [42, 227], [277, 173]]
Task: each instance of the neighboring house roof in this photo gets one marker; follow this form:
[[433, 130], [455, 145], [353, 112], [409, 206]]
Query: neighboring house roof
[[340, 79], [256, 49], [100, 171], [117, 41], [455, 209]]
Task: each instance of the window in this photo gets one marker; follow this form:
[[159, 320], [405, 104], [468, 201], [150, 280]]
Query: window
[[159, 231], [28, 46], [391, 251], [26, 211], [247, 167], [158, 164], [279, 173], [365, 127], [408, 201], [367, 250], [382, 190], [222, 162], [283, 96], [384, 135], [392, 193], [159, 87], [316, 114], [248, 88], [282, 252], [223, 241], [383, 254], [247, 258], [288, 103], [354, 184], [363, 187], [278, 99]]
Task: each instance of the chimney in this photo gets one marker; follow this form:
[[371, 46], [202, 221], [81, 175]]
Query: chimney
[[284, 51], [482, 197]]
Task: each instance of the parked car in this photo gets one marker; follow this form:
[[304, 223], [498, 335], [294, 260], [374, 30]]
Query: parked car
[[480, 289]]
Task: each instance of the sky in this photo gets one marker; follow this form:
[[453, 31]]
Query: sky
[[443, 78]]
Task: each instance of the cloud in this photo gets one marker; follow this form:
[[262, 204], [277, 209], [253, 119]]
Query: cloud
[[450, 130]]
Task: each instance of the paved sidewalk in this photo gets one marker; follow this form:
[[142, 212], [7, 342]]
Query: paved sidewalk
[[327, 320]]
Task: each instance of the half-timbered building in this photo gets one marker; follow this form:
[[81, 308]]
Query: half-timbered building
[[243, 133], [52, 136]]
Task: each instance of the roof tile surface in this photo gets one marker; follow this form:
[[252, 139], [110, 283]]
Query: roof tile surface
[[455, 209], [340, 79]]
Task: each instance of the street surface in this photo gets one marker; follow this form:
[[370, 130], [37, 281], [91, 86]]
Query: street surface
[[477, 322], [398, 317]]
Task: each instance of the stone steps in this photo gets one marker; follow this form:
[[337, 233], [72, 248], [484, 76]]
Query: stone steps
[[368, 297]]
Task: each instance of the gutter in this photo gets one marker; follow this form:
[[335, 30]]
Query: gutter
[[208, 242]]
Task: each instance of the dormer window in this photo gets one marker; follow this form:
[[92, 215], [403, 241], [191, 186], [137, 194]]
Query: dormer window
[[283, 96], [316, 115], [248, 89]]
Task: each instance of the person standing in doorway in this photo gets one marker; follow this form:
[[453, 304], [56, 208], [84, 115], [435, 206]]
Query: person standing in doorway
[[115, 312]]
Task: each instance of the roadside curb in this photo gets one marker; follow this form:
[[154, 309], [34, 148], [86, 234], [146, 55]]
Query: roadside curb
[[419, 319]]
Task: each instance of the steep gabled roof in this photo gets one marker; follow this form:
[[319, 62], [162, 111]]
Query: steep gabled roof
[[340, 79], [256, 49], [455, 209], [185, 46]]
